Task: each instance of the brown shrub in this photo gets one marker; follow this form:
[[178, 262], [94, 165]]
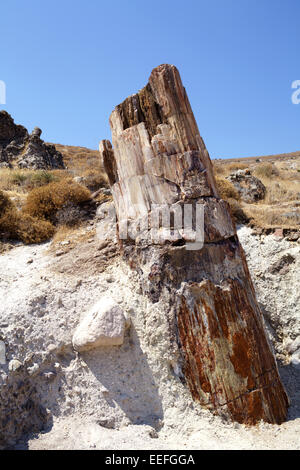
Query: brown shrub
[[230, 194], [5, 203], [33, 230], [16, 225], [94, 179], [45, 201], [226, 189]]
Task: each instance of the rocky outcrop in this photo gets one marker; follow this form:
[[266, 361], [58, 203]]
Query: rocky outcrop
[[250, 188], [179, 236], [24, 150]]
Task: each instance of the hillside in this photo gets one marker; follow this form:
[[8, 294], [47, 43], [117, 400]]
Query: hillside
[[280, 174]]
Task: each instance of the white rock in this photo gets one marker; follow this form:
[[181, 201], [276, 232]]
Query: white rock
[[294, 345], [33, 369], [104, 325], [295, 359], [14, 365], [2, 353]]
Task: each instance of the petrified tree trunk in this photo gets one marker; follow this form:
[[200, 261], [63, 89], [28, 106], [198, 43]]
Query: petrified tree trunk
[[158, 157]]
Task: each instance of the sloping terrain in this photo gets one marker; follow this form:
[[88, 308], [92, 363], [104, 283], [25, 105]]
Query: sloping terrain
[[127, 397], [280, 174]]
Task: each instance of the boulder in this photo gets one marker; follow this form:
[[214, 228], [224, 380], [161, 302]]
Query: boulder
[[103, 325], [250, 188]]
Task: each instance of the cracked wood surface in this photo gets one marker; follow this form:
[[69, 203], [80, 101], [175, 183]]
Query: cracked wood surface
[[159, 157]]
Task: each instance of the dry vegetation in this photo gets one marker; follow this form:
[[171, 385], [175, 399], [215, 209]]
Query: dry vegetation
[[281, 176], [37, 205], [17, 225], [84, 163], [44, 202]]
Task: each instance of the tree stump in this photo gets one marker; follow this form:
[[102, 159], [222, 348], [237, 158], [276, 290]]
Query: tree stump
[[158, 159]]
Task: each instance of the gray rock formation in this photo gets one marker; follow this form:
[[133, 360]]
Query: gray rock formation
[[250, 188], [24, 150]]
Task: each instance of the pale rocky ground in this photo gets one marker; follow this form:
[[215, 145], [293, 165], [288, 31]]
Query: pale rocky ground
[[129, 397]]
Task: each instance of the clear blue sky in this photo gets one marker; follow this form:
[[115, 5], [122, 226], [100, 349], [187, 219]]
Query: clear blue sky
[[67, 63]]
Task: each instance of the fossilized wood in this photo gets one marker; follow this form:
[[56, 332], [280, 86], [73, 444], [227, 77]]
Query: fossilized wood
[[159, 157], [228, 363]]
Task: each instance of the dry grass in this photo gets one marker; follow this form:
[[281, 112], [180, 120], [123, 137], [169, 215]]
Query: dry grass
[[71, 236], [280, 175], [266, 170], [22, 181], [224, 168], [228, 192], [268, 216], [30, 201], [79, 160], [226, 189]]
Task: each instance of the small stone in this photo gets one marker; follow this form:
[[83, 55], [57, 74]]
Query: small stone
[[51, 348], [40, 313], [14, 365], [59, 253], [30, 261], [278, 233], [64, 243], [33, 369]]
